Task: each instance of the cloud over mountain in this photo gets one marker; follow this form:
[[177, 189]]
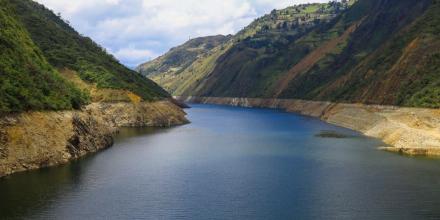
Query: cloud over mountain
[[138, 30]]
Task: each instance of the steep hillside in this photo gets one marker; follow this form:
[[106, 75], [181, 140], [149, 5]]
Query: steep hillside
[[384, 60], [64, 48], [27, 80], [61, 95], [179, 58], [261, 50], [374, 52], [254, 63]]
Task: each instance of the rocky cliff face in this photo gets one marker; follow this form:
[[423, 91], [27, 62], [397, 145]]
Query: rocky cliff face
[[412, 131], [156, 114], [41, 139]]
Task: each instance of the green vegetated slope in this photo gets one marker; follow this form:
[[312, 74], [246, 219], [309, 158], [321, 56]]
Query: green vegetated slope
[[384, 61], [264, 50], [179, 58], [27, 80], [375, 52], [269, 47], [36, 45]]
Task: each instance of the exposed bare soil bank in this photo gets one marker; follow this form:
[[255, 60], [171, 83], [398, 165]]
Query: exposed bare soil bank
[[412, 131], [41, 139]]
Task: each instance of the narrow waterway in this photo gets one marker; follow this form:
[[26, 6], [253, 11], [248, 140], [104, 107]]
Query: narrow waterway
[[231, 163]]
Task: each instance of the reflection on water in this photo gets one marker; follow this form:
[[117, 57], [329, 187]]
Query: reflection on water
[[126, 133], [231, 163], [22, 194], [333, 134]]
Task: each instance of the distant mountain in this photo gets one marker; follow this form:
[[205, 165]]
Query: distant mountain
[[179, 58], [37, 45], [263, 45], [369, 51]]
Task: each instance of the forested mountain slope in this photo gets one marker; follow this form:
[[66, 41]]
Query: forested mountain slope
[[27, 80], [36, 45], [384, 61], [261, 49], [369, 51], [62, 96]]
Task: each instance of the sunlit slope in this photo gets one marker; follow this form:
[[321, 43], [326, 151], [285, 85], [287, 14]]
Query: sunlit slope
[[252, 57], [64, 48], [179, 58], [27, 80], [368, 51]]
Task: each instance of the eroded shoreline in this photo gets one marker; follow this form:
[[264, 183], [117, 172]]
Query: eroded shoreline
[[34, 140], [410, 131]]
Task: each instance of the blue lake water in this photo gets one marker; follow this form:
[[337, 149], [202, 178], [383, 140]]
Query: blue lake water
[[231, 163]]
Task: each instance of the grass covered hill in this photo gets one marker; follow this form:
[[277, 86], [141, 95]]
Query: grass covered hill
[[259, 50], [179, 58], [367, 51], [46, 65], [27, 80]]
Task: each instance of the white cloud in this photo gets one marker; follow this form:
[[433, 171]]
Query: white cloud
[[131, 55], [137, 30]]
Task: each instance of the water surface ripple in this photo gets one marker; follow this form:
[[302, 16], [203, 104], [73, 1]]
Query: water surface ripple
[[232, 163]]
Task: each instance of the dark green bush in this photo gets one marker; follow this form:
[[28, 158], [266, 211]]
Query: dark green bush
[[63, 47], [27, 81]]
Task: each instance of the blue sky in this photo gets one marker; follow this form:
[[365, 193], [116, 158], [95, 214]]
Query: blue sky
[[136, 31]]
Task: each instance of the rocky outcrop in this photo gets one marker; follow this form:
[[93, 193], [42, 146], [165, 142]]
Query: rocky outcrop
[[157, 114], [41, 139], [412, 131]]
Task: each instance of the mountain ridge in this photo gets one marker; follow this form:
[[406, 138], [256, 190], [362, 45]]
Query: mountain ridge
[[38, 46], [276, 28], [336, 60], [181, 56]]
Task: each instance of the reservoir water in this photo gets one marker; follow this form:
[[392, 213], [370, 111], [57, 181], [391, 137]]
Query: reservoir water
[[232, 163]]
